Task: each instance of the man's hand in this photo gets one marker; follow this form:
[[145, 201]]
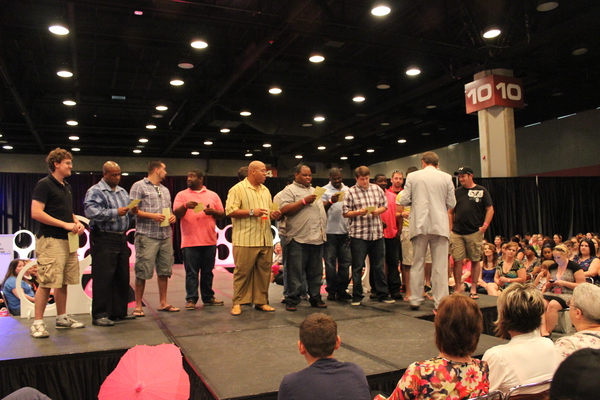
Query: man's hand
[[362, 212], [276, 215], [209, 211], [172, 219], [157, 217], [122, 211], [191, 204], [134, 210], [310, 199], [259, 212], [334, 198]]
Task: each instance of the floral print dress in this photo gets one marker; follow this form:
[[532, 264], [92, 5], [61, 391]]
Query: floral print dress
[[442, 379]]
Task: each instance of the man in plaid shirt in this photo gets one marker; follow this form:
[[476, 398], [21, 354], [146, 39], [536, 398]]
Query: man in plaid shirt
[[363, 205]]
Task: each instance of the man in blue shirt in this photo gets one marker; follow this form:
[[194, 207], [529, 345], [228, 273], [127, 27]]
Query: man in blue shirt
[[106, 206], [325, 376]]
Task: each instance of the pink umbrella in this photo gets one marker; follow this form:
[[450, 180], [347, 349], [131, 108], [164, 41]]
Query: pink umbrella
[[148, 372]]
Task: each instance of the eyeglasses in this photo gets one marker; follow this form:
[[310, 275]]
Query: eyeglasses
[[158, 192]]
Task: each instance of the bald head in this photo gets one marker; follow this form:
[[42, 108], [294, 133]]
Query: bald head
[[257, 173], [111, 173]]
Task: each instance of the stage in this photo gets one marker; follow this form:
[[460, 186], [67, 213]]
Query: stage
[[226, 357]]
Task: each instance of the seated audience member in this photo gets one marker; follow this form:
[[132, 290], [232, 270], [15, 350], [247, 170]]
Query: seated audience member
[[565, 275], [10, 287], [543, 276], [325, 376], [453, 373], [485, 283], [584, 310], [465, 278], [520, 251], [557, 239], [587, 260], [509, 269], [531, 262], [574, 247], [577, 377], [546, 253], [498, 242], [528, 357]]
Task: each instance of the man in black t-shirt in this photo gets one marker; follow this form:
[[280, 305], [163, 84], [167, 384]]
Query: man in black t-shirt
[[469, 220], [52, 207]]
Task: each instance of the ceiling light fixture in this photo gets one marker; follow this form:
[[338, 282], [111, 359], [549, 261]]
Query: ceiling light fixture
[[176, 82], [348, 137], [245, 113], [267, 145], [199, 44], [137, 13], [413, 71], [248, 154], [321, 148], [298, 156], [143, 140], [343, 158], [7, 147], [546, 5], [185, 64], [157, 116], [384, 122], [150, 126], [59, 29], [401, 140], [69, 102], [161, 107], [225, 130], [72, 122], [75, 149], [380, 9], [316, 57], [137, 151], [275, 90], [358, 98], [491, 31], [319, 118], [195, 153], [73, 137], [306, 125], [579, 49], [64, 73], [430, 106], [370, 151], [208, 143], [383, 84], [425, 134]]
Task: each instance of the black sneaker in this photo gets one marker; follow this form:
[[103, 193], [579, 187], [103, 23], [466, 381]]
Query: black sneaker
[[290, 307], [344, 296], [332, 297], [318, 304], [397, 296], [386, 300]]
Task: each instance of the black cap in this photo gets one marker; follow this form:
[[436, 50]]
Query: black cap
[[464, 170]]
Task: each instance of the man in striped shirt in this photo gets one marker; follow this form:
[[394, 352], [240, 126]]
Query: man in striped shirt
[[248, 205], [363, 205]]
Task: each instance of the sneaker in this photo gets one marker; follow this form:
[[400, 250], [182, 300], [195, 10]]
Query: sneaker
[[69, 322], [290, 307], [386, 300], [332, 297], [355, 302], [38, 331], [190, 305], [344, 296], [397, 296], [304, 297], [318, 304], [214, 302]]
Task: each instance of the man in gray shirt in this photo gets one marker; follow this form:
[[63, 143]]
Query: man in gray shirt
[[306, 231]]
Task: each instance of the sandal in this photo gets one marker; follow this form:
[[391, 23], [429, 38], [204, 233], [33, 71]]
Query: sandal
[[138, 313], [169, 308], [474, 296]]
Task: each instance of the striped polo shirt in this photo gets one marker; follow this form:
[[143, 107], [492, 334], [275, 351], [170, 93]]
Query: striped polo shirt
[[249, 231]]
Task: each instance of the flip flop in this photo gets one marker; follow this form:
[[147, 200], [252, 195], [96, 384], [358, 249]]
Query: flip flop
[[473, 296], [169, 308], [138, 313]]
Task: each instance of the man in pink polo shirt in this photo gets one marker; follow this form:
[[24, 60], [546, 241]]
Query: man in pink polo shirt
[[197, 208]]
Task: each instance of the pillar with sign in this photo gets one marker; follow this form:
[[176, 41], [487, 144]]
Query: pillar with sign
[[493, 95]]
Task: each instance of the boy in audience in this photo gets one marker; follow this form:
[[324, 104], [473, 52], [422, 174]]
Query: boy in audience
[[325, 376]]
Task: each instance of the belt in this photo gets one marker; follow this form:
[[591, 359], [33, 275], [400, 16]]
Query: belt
[[95, 229]]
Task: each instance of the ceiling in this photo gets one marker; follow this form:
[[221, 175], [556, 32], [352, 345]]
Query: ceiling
[[254, 44]]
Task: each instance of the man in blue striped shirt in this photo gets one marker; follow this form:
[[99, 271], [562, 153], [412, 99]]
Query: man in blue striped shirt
[[106, 206]]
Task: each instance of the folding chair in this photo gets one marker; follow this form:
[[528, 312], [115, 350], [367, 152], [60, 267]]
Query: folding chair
[[495, 395], [541, 391]]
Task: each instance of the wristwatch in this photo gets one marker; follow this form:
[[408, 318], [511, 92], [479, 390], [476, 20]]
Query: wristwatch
[[251, 212]]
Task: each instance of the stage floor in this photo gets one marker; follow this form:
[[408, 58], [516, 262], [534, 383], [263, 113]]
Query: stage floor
[[247, 355]]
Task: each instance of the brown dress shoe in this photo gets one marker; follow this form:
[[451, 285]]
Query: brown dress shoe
[[236, 310], [264, 307]]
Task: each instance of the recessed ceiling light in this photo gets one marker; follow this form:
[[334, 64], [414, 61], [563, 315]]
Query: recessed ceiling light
[[199, 44], [425, 134], [143, 140], [385, 123], [75, 149], [491, 32], [69, 103], [401, 140], [579, 50], [370, 151], [413, 71], [137, 13], [380, 10], [383, 84], [72, 122], [185, 64], [225, 130], [316, 57], [546, 5], [321, 148], [267, 145], [125, 173], [73, 137], [161, 107], [64, 73], [208, 143], [431, 106], [298, 156], [349, 137], [157, 116], [358, 98], [275, 90], [248, 154], [319, 118], [150, 126], [176, 82], [195, 153], [58, 30], [7, 147], [245, 113], [137, 151], [343, 158], [306, 125]]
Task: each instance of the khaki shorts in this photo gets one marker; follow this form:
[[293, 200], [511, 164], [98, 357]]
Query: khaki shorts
[[407, 250], [466, 246], [151, 253], [56, 266]]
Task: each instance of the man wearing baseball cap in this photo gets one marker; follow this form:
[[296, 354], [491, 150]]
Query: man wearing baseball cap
[[469, 220]]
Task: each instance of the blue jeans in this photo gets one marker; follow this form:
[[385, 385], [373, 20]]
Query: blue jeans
[[304, 257], [199, 260], [375, 249], [392, 258], [337, 263]]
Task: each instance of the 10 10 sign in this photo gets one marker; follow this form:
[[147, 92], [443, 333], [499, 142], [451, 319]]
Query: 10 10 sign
[[494, 90]]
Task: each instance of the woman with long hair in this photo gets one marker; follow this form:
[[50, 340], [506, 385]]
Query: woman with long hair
[[587, 260], [10, 287], [509, 269], [531, 262], [486, 284]]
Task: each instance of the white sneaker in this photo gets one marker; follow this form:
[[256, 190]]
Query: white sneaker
[[38, 331], [355, 303], [69, 322]]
